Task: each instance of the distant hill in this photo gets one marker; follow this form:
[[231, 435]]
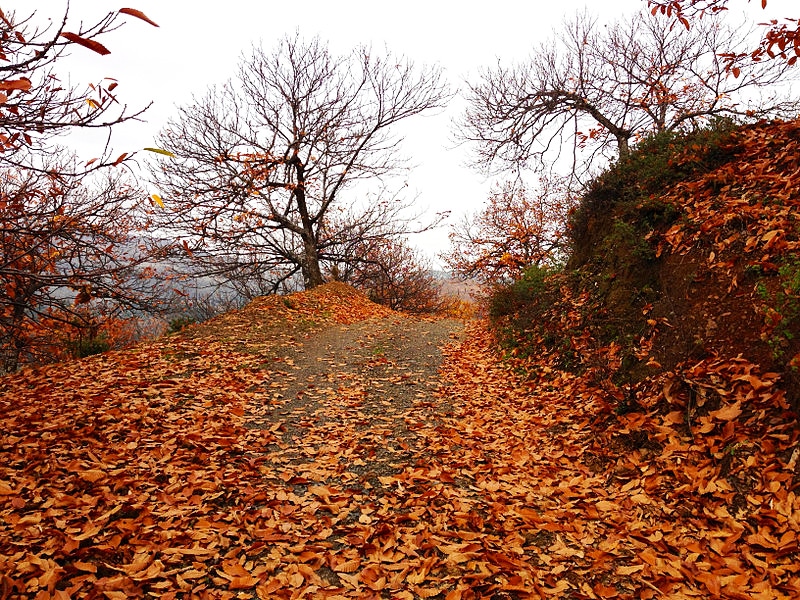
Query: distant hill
[[456, 287]]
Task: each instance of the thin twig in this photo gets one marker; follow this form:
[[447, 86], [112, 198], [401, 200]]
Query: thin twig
[[650, 585]]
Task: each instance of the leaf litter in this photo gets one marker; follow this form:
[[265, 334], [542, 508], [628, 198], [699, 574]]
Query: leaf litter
[[305, 447]]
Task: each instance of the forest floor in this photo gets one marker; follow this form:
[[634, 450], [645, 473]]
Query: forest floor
[[320, 446]]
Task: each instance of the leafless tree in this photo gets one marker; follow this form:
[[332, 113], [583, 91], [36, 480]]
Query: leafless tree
[[265, 170], [597, 88]]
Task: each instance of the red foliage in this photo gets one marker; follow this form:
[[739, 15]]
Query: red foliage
[[781, 40], [516, 229], [392, 273], [71, 260]]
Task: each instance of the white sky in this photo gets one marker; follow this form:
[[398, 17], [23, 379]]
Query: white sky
[[198, 44]]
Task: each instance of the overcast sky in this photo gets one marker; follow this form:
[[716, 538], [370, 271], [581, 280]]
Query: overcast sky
[[197, 45]]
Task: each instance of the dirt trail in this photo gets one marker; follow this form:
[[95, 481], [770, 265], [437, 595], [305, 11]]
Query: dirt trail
[[360, 389]]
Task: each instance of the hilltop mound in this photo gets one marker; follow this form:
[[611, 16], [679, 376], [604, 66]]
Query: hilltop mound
[[331, 303], [335, 302]]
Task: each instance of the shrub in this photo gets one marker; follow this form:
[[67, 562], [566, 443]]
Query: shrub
[[629, 187], [83, 347], [508, 299]]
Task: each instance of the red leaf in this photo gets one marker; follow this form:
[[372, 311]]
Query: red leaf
[[23, 84], [138, 14], [86, 43]]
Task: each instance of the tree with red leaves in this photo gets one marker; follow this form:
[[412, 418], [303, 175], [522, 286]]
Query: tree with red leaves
[[36, 105], [781, 39], [71, 251], [391, 273], [516, 229]]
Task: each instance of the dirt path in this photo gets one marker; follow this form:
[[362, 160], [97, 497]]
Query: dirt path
[[352, 397]]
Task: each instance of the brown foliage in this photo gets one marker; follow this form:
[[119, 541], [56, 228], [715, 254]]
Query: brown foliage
[[391, 273], [72, 259], [142, 473]]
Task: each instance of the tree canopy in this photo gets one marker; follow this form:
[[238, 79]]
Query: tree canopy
[[592, 90]]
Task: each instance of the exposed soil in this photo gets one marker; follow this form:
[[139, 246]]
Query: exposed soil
[[375, 379]]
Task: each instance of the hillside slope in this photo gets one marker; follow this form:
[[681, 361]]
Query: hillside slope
[[677, 319], [689, 252]]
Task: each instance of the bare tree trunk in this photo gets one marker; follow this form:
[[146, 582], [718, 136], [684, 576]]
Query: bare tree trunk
[[312, 274], [623, 147]]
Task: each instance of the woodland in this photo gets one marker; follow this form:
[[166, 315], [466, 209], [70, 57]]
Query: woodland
[[613, 414]]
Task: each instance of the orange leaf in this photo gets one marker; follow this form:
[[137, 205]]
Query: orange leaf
[[85, 567], [348, 567], [605, 591], [93, 475], [86, 43], [138, 14], [456, 594], [234, 569], [242, 583], [728, 413], [711, 581]]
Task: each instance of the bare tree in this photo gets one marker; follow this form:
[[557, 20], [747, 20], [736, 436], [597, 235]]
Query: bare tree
[[600, 87], [265, 167]]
